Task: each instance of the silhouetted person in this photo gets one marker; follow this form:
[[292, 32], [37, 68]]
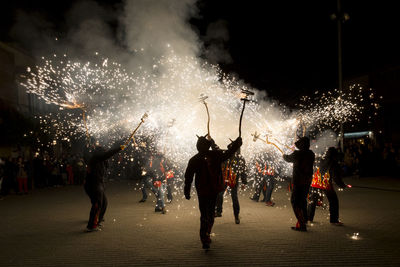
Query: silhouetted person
[[206, 167], [9, 177], [156, 170], [146, 181], [22, 176], [94, 183], [265, 178], [330, 165], [234, 169], [303, 161]]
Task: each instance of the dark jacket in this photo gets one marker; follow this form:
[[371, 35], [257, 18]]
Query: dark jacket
[[97, 164], [206, 167], [331, 164], [303, 161]]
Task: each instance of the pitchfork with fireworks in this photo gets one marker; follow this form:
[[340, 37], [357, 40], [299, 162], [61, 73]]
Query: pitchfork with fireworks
[[131, 137], [202, 99], [257, 136], [245, 98]]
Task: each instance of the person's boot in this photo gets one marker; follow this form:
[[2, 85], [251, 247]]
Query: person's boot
[[237, 220], [90, 229], [206, 246], [206, 241], [142, 200], [299, 227], [164, 210], [270, 203], [158, 209], [254, 198]]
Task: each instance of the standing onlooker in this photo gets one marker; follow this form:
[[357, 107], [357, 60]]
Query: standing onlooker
[[9, 177], [22, 177], [70, 173]]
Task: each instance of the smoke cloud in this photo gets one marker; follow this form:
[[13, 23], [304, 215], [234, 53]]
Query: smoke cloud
[[158, 47]]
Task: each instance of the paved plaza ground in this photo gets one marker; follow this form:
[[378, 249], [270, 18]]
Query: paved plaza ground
[[46, 228]]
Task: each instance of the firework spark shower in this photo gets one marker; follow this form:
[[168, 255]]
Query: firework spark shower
[[160, 73]]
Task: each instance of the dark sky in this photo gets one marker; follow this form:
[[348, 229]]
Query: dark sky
[[291, 46], [288, 48]]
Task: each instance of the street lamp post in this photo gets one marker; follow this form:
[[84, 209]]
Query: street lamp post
[[340, 18]]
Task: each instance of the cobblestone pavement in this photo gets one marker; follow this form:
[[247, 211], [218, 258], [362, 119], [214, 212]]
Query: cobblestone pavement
[[46, 228]]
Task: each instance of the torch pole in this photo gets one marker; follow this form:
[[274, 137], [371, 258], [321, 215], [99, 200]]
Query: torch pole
[[241, 117], [208, 120], [134, 131]]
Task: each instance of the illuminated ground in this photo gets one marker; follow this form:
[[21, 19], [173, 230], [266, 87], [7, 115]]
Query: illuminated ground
[[45, 228]]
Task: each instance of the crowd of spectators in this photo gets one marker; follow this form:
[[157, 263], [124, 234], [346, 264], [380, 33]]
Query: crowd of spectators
[[364, 157], [19, 175]]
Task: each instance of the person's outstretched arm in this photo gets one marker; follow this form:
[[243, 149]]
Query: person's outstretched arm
[[235, 145], [101, 156], [336, 173], [290, 158]]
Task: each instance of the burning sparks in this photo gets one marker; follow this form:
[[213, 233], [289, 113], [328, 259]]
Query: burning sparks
[[102, 99]]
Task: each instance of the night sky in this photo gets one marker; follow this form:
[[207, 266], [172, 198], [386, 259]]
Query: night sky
[[288, 48]]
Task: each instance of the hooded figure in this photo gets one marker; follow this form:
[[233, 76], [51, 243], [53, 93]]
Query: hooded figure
[[303, 162], [205, 166], [94, 183], [330, 166]]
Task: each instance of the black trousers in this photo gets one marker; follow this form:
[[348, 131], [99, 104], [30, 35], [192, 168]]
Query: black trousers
[[170, 185], [299, 203], [207, 209], [99, 204], [235, 201], [333, 204]]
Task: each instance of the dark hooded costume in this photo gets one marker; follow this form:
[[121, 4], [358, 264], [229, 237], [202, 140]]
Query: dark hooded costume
[[303, 161], [205, 166], [94, 183], [330, 164]]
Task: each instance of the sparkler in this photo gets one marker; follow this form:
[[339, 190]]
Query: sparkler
[[86, 127], [113, 95], [82, 107]]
